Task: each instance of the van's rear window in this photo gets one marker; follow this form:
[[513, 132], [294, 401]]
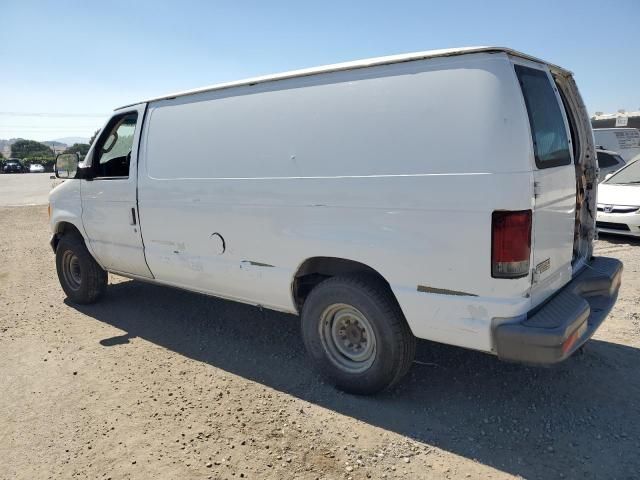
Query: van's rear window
[[550, 139]]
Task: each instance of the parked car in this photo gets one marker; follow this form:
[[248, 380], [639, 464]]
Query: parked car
[[625, 141], [345, 194], [13, 165], [619, 202], [36, 168], [608, 162]]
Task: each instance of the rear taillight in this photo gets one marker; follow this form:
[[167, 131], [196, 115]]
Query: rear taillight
[[510, 243]]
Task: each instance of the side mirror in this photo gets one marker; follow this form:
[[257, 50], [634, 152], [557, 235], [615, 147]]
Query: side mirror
[[608, 176], [67, 165]]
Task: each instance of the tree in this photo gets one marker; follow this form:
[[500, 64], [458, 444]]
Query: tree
[[28, 149], [31, 151], [93, 137], [79, 148]]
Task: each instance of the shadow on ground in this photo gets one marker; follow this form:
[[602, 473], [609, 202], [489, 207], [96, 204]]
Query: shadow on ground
[[619, 239], [578, 419]]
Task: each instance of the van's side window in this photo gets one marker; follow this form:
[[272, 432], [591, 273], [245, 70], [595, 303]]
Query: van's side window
[[550, 140], [113, 153]]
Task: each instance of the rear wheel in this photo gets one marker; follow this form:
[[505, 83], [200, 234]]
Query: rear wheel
[[81, 278], [356, 333]]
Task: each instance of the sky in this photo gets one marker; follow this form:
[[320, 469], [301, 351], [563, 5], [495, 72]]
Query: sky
[[65, 64]]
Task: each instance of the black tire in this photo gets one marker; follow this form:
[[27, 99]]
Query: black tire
[[81, 278], [342, 305]]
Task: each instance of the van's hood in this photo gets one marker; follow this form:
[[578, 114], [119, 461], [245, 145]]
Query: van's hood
[[612, 194]]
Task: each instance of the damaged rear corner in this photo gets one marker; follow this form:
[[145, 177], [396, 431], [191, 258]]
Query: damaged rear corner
[[586, 168]]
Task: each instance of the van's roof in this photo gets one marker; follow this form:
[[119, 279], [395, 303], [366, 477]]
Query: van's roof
[[368, 62]]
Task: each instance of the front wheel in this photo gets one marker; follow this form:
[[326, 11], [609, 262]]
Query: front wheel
[[356, 334], [81, 278]]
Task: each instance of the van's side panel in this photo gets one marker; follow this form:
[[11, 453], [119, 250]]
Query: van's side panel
[[398, 167]]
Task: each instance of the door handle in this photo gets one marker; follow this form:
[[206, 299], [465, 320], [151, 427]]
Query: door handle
[[132, 220]]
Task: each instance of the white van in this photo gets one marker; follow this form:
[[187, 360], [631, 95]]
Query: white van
[[429, 195], [624, 141]]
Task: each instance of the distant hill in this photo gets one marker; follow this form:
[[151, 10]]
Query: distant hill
[[58, 142], [11, 141], [5, 147], [70, 140], [58, 145]]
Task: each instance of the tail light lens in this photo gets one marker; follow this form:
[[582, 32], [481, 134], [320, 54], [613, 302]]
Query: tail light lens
[[510, 243]]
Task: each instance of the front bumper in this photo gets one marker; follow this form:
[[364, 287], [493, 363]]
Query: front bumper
[[619, 223], [553, 331]]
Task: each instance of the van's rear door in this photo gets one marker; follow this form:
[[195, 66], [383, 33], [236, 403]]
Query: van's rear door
[[554, 181]]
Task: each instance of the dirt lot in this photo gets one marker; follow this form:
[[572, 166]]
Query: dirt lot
[[158, 383]]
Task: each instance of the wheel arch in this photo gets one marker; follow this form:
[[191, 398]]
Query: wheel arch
[[64, 227], [314, 270]]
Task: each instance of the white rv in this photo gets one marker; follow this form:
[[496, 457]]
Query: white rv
[[350, 194], [624, 141]]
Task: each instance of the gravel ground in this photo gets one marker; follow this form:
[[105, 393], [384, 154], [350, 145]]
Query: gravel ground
[[158, 383]]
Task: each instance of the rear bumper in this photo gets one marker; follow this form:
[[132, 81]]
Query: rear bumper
[[553, 331]]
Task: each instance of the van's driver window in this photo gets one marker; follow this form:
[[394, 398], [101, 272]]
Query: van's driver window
[[114, 151]]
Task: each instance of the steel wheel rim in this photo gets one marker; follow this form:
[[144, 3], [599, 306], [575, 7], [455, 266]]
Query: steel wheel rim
[[71, 270], [348, 338]]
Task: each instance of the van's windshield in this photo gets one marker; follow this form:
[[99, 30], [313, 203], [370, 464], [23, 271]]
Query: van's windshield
[[550, 140], [626, 176]]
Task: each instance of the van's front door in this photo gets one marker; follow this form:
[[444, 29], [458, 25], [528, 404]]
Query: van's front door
[[109, 196], [554, 181]]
